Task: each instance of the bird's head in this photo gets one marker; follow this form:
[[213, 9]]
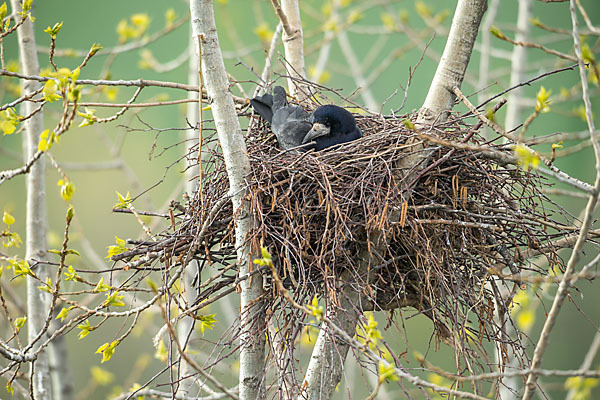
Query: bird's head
[[331, 121]]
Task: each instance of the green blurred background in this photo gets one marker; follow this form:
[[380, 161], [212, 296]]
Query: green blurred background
[[244, 28]]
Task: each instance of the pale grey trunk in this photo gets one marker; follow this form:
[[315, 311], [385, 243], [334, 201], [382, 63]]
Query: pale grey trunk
[[326, 366], [63, 387], [35, 243], [518, 63], [185, 326], [252, 318], [293, 44], [511, 385], [455, 59]]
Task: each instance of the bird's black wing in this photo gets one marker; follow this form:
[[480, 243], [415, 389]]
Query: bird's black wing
[[290, 125], [263, 105]]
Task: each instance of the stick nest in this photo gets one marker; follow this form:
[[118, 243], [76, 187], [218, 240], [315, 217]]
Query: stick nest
[[446, 237]]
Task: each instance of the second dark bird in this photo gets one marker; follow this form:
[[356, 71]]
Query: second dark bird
[[327, 126]]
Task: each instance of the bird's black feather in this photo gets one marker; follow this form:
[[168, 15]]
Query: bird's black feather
[[332, 125], [293, 126], [263, 105]]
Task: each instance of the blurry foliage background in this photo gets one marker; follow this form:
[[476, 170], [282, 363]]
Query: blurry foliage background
[[244, 31]]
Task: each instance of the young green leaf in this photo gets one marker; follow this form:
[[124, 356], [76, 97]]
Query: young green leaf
[[54, 30], [206, 321], [85, 329], [20, 322], [107, 350], [114, 300], [102, 287], [8, 219]]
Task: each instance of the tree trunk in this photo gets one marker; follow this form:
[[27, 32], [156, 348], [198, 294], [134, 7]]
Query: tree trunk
[[252, 317], [35, 243], [518, 63], [293, 44], [185, 327], [326, 366], [453, 64]]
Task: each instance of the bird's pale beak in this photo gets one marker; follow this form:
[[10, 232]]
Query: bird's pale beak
[[316, 131]]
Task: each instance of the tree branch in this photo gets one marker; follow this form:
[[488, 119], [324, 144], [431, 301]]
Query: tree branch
[[237, 165], [563, 288]]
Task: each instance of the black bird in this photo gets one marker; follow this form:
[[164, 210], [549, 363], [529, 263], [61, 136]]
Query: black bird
[[331, 125], [328, 126], [290, 124]]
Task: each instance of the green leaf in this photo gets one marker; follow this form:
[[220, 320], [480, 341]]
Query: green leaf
[[70, 214], [161, 352], [47, 287], [45, 144], [315, 309], [107, 350], [542, 100], [20, 322], [170, 17], [2, 11], [8, 219], [96, 47], [535, 22], [102, 287], [63, 313], [9, 120], [206, 321], [152, 285], [114, 300], [118, 248], [88, 117], [526, 158], [21, 267], [71, 274], [123, 201], [67, 189], [8, 127], [12, 240], [387, 372], [50, 91], [26, 5], [587, 54], [388, 21], [54, 30], [85, 329], [423, 9], [497, 32]]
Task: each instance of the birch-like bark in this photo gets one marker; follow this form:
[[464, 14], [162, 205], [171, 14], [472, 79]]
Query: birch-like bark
[[449, 73], [486, 47], [186, 326], [252, 338], [510, 386], [453, 64], [326, 366], [63, 387], [293, 44], [518, 63], [35, 243]]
